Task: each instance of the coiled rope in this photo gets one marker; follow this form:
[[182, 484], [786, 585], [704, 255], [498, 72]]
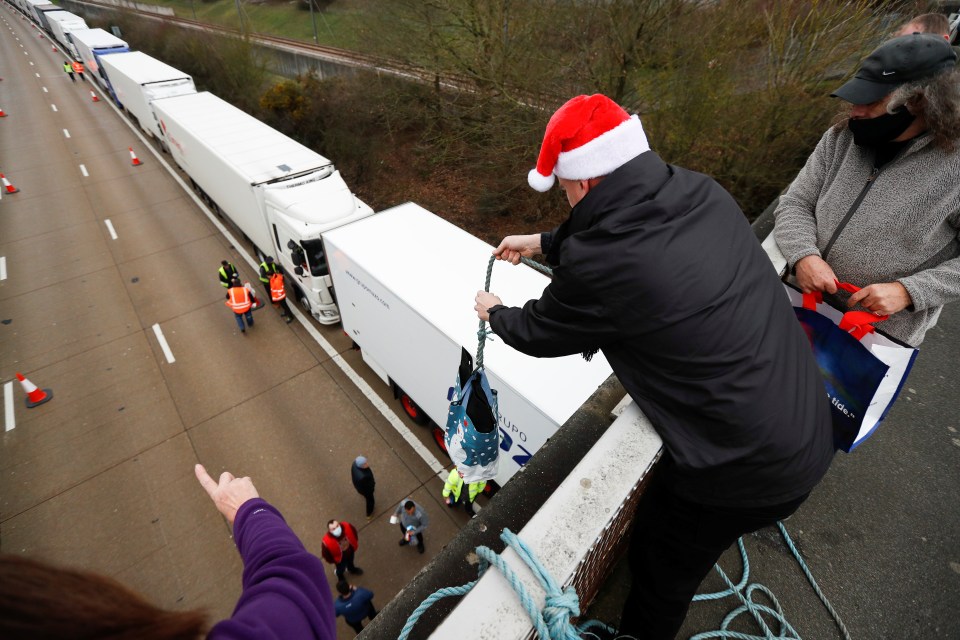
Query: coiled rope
[[553, 622]]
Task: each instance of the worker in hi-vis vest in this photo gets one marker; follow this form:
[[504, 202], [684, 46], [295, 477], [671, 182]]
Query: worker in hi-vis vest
[[227, 272], [278, 296], [267, 269], [453, 491], [78, 69], [68, 69], [240, 300]]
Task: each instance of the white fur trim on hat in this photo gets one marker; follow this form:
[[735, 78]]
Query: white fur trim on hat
[[604, 154]]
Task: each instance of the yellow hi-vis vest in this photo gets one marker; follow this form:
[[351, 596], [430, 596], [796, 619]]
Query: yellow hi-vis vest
[[454, 485], [276, 288]]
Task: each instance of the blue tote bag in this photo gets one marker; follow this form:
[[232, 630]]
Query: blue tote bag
[[863, 369]]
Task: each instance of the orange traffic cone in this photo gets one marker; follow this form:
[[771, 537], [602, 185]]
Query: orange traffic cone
[[53, 47], [94, 97], [2, 114], [9, 188], [35, 396], [134, 160]]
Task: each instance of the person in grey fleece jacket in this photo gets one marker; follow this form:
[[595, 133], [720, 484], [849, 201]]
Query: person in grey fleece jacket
[[878, 202], [412, 520]]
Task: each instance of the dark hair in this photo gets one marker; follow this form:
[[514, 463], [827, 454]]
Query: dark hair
[[409, 504], [41, 601], [224, 263], [343, 587], [331, 522], [936, 23]]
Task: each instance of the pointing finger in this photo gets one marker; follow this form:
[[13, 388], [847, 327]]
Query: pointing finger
[[205, 480]]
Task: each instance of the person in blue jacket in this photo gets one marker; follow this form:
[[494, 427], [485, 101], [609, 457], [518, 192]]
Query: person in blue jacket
[[354, 604]]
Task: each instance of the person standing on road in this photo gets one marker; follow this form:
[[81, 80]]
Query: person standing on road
[[68, 69], [453, 491], [227, 272], [354, 604], [240, 300], [658, 268], [362, 477], [340, 543], [278, 296], [78, 69], [413, 520]]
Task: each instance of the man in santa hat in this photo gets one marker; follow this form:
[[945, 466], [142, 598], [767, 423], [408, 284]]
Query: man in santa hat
[[658, 268]]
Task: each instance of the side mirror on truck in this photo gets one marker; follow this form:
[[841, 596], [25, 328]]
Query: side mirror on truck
[[298, 271]]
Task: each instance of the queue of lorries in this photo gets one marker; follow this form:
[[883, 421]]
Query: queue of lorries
[[401, 281]]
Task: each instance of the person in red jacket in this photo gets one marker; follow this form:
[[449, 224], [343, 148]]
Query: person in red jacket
[[339, 546]]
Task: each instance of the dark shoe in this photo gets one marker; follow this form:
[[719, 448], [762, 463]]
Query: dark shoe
[[289, 319], [420, 548], [404, 542], [357, 571], [243, 330], [250, 323]]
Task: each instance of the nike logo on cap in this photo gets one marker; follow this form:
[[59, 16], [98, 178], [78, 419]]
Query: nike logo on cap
[[887, 73]]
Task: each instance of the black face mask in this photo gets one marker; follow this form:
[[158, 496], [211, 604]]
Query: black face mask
[[873, 132]]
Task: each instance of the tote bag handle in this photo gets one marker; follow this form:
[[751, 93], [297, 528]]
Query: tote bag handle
[[856, 323]]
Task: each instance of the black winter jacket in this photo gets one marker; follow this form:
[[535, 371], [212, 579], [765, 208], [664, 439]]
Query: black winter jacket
[[362, 479], [658, 268]]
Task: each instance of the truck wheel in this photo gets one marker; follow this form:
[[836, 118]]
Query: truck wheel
[[412, 409], [438, 437]]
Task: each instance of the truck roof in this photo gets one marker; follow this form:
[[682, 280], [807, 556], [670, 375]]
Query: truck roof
[[64, 16], [143, 69], [97, 38], [437, 268], [258, 152]]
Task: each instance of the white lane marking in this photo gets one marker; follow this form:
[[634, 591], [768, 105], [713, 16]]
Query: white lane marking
[[83, 170], [3, 267], [391, 417], [31, 64], [66, 133], [113, 234], [163, 344], [370, 394], [45, 90], [37, 74], [54, 107], [9, 420]]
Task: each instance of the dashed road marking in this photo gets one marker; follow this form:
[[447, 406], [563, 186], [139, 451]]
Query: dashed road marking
[[163, 344], [83, 170], [113, 234], [9, 419], [66, 133], [3, 267], [54, 107]]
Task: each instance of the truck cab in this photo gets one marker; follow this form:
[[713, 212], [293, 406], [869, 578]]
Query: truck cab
[[297, 225]]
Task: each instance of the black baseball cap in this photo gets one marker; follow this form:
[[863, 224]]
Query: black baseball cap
[[896, 62]]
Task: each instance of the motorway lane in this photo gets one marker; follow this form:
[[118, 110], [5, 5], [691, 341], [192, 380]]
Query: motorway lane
[[102, 476]]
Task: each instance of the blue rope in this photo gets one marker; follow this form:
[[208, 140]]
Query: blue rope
[[745, 593], [553, 623]]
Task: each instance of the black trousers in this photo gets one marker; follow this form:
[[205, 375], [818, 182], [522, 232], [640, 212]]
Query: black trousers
[[358, 625], [674, 545], [346, 563], [370, 502]]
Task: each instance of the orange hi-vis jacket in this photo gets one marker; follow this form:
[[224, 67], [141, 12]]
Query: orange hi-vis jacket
[[78, 67], [239, 300], [277, 292]]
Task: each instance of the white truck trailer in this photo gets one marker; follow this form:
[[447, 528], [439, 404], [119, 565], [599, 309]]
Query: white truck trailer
[[136, 80], [90, 45], [61, 24], [405, 280], [37, 10], [280, 194]]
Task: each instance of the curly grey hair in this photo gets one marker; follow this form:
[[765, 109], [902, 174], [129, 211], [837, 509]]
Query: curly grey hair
[[936, 98]]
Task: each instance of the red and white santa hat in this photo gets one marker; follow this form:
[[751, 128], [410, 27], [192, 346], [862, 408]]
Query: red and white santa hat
[[588, 137]]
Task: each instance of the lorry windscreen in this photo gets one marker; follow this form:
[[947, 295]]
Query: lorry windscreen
[[316, 257]]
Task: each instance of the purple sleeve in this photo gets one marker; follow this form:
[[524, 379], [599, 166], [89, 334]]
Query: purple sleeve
[[285, 591]]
